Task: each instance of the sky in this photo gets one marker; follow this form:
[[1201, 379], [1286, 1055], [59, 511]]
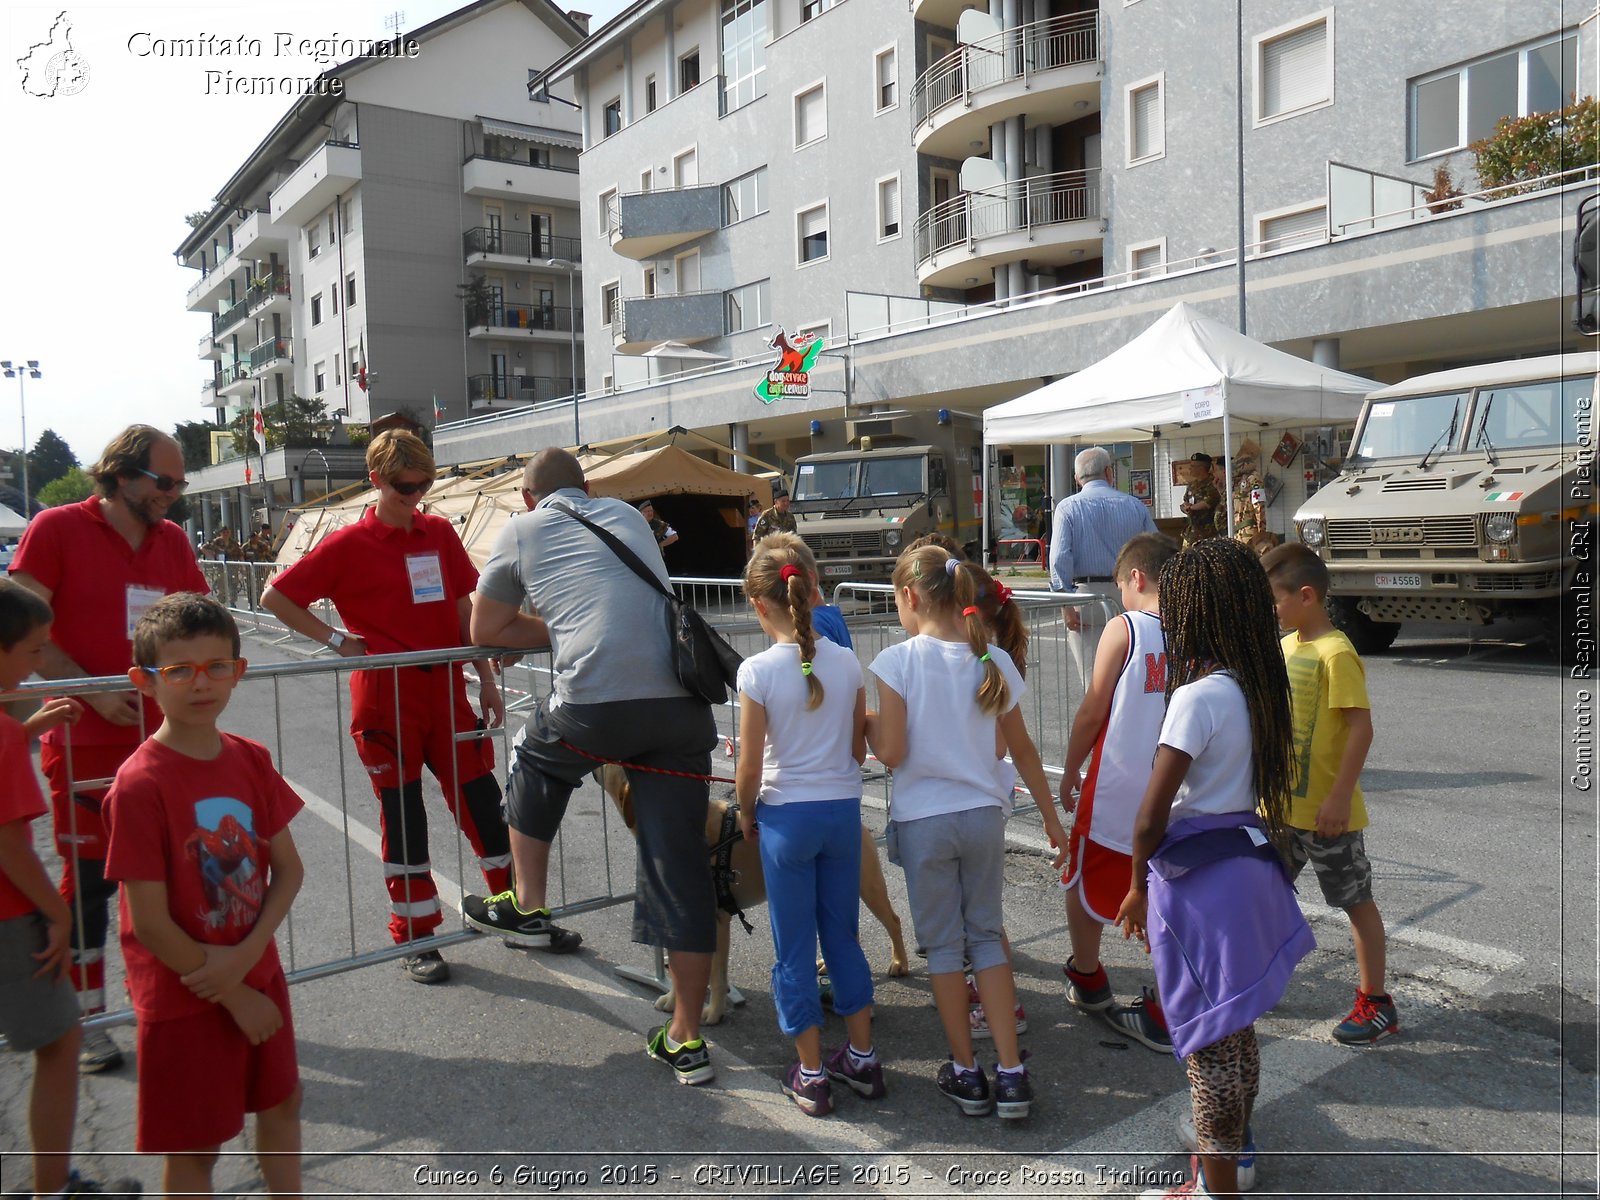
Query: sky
[[96, 185]]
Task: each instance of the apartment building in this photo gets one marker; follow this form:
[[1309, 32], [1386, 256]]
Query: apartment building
[[1074, 170], [409, 244]]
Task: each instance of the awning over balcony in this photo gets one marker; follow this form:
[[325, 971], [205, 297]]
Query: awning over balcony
[[532, 133]]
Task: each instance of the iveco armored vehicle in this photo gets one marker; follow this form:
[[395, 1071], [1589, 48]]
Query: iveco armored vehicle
[[1467, 496]]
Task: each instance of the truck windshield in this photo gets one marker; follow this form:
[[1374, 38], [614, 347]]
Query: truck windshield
[[1411, 427], [1526, 415], [825, 481], [892, 477]]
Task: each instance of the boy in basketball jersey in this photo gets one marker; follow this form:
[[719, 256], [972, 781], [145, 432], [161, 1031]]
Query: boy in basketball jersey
[[1116, 729]]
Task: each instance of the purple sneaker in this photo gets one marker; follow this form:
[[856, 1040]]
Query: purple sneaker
[[814, 1098], [866, 1082]]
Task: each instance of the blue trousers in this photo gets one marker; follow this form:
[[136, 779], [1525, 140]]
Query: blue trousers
[[811, 855]]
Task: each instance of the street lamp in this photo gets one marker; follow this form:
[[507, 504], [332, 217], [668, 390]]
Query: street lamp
[[20, 373], [570, 267]]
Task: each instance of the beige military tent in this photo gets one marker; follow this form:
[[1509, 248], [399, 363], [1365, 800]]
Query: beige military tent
[[705, 503]]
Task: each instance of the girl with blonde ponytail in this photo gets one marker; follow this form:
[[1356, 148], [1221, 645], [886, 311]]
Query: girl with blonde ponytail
[[802, 738], [947, 715]]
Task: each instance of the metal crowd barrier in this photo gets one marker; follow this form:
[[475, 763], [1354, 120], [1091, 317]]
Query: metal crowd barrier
[[357, 893]]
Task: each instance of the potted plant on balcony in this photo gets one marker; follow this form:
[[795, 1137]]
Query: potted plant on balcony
[[1539, 145], [478, 298]]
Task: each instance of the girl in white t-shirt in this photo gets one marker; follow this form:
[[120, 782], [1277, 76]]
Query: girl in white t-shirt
[[802, 722], [947, 715], [1208, 890]]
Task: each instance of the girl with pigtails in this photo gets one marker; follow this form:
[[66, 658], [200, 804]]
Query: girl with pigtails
[[802, 739], [947, 715]]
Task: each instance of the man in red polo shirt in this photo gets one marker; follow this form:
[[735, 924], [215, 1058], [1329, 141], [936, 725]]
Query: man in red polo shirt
[[101, 564], [401, 580]]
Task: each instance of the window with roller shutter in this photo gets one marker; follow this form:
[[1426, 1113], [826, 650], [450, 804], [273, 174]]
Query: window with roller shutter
[[1294, 69], [1146, 116]]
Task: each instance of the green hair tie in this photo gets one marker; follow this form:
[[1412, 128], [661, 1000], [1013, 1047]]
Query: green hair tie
[[805, 668], [984, 657]]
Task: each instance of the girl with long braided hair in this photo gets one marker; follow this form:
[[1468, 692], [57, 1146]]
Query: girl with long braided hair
[[802, 722], [1209, 894], [947, 714]]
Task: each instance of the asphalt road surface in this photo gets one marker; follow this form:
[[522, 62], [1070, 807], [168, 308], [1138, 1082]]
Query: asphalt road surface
[[526, 1074]]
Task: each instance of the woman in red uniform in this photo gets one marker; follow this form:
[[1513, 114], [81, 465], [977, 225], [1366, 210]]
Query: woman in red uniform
[[401, 580]]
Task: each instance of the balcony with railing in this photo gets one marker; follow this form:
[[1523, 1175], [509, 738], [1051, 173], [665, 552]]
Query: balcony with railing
[[534, 321], [647, 224], [330, 169], [515, 247], [234, 381], [500, 178], [209, 347], [1050, 220], [269, 294], [208, 393], [274, 352], [1050, 70], [229, 317], [489, 391], [639, 322]]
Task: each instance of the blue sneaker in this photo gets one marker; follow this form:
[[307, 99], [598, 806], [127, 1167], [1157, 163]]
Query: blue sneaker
[[1247, 1157]]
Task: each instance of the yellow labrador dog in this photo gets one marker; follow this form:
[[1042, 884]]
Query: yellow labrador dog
[[741, 886]]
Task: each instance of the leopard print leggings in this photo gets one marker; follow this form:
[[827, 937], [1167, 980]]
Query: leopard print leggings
[[1223, 1080]]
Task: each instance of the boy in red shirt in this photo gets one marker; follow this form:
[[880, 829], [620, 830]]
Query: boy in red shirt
[[199, 838], [38, 1007]]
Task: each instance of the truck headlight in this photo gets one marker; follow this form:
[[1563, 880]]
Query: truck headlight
[[1500, 527], [1312, 531], [891, 538]]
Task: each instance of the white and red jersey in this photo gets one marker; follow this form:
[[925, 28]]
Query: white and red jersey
[[1125, 747]]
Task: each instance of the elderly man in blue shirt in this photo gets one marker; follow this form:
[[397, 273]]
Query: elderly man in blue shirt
[[1091, 527]]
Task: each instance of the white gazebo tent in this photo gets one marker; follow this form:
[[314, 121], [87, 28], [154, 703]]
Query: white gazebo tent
[[1184, 370], [12, 523]]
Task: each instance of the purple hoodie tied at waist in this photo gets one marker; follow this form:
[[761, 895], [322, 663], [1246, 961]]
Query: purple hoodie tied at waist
[[1225, 930]]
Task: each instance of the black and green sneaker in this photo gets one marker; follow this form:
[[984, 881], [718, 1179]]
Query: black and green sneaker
[[500, 914], [690, 1062]]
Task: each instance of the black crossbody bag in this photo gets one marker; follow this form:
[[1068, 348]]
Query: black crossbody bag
[[702, 660]]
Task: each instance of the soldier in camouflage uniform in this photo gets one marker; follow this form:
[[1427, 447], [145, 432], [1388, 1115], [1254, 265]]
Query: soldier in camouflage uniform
[[777, 519], [1201, 501]]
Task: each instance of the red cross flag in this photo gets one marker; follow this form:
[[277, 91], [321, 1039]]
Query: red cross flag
[[261, 430]]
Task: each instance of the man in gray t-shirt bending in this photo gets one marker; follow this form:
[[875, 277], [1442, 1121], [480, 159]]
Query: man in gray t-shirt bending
[[615, 695]]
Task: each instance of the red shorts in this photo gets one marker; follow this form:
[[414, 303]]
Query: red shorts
[[430, 709], [77, 818], [1101, 876], [199, 1075]]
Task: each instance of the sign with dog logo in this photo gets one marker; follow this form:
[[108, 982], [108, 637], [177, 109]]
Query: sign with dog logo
[[790, 377]]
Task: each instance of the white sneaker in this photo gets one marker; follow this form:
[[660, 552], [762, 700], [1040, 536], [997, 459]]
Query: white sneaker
[[1192, 1188], [1247, 1156]]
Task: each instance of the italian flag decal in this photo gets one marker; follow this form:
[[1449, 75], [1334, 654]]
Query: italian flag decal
[[1503, 497]]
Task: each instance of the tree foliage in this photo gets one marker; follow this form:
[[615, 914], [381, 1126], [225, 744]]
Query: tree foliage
[[49, 460], [195, 438], [1540, 144], [295, 420], [69, 488], [197, 219]]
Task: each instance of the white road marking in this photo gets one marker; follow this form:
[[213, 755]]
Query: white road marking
[[1491, 957]]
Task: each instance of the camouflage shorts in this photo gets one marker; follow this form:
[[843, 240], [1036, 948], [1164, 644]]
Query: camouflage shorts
[[1343, 871]]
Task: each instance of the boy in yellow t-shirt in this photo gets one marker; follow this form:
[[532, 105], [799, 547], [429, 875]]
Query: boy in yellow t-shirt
[[1332, 734]]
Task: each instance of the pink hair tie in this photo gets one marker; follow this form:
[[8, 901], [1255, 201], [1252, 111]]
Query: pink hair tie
[[789, 572]]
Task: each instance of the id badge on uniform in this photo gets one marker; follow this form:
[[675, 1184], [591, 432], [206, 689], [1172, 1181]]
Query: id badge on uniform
[[427, 578], [138, 599]]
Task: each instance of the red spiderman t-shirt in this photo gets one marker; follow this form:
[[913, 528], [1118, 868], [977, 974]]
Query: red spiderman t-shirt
[[203, 828], [20, 800]]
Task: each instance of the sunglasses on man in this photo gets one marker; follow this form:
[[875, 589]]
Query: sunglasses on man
[[165, 483]]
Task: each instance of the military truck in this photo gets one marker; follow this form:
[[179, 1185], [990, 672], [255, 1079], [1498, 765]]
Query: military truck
[[907, 474], [1467, 496]]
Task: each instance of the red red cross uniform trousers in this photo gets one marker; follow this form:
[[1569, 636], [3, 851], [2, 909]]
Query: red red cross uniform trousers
[[400, 590], [99, 587]]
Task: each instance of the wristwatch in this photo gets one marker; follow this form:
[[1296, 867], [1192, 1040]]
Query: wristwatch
[[336, 641]]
